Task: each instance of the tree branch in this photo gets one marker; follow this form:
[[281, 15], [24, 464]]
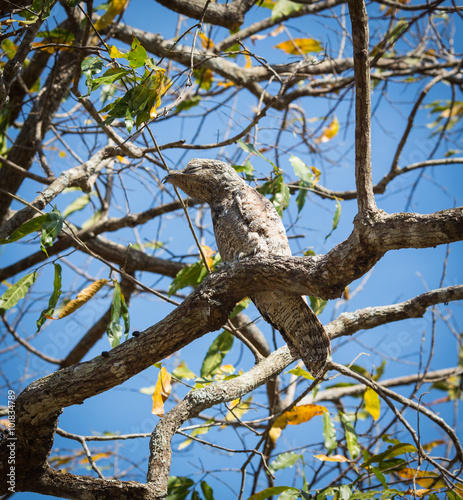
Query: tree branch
[[363, 178]]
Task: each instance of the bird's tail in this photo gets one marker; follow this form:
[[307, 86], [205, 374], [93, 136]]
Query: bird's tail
[[299, 326]]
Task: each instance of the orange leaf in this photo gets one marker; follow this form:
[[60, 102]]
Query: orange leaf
[[333, 458], [298, 415], [297, 46], [330, 131], [83, 297], [161, 392]]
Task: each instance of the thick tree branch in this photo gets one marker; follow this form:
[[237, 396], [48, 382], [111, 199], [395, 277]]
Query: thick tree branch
[[230, 15], [363, 178], [371, 317]]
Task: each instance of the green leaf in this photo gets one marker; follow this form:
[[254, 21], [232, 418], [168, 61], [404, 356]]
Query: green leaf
[[188, 104], [178, 487], [207, 491], [344, 492], [53, 300], [57, 35], [51, 227], [137, 56], [380, 477], [247, 168], [317, 305], [78, 204], [301, 196], [241, 306], [110, 76], [191, 275], [301, 170], [284, 460], [216, 352], [249, 148], [125, 316], [391, 452], [285, 8], [9, 47], [28, 227], [337, 215], [118, 309], [389, 465], [329, 432], [274, 490], [91, 66], [16, 292], [380, 370], [351, 436], [301, 372], [384, 494], [182, 372], [279, 191]]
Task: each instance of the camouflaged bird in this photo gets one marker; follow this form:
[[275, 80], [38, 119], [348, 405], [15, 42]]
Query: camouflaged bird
[[247, 224]]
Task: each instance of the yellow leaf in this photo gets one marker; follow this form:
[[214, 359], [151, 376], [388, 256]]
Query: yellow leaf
[[316, 174], [297, 46], [96, 457], [330, 131], [423, 478], [123, 160], [161, 392], [248, 61], [332, 458], [206, 42], [208, 253], [225, 84], [115, 53], [62, 154], [184, 444], [114, 9], [429, 446], [239, 408], [372, 403], [274, 433], [82, 298]]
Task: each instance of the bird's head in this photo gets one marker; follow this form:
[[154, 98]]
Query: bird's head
[[204, 179]]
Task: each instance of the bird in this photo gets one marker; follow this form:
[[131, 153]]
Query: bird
[[247, 224]]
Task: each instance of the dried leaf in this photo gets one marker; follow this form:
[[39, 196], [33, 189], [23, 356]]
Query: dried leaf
[[297, 46], [295, 416], [423, 478], [332, 458], [82, 298], [161, 392]]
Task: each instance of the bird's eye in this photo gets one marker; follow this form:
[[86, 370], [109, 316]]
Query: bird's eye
[[192, 169]]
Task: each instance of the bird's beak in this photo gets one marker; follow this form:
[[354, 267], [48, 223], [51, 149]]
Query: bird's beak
[[169, 177]]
